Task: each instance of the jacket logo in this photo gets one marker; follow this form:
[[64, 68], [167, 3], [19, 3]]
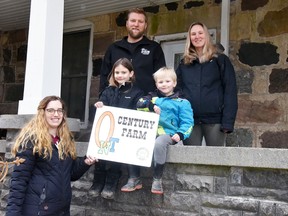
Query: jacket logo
[[145, 51], [127, 97]]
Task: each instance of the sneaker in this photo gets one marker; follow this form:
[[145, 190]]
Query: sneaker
[[157, 186], [132, 185]]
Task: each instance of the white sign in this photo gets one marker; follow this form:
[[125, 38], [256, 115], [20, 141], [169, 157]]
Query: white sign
[[123, 135]]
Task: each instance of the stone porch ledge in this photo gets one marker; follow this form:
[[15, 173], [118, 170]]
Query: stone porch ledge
[[218, 156], [18, 121], [221, 156]]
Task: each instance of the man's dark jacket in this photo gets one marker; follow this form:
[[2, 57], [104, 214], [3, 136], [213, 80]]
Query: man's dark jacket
[[146, 58]]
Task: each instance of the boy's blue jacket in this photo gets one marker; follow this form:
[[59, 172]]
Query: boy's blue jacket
[[176, 114]]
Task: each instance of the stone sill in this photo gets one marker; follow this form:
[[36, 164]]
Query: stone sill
[[221, 156], [18, 121], [3, 146]]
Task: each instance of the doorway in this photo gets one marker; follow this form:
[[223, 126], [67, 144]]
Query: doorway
[[173, 52], [77, 69]]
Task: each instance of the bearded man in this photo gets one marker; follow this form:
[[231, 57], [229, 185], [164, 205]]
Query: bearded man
[[146, 55]]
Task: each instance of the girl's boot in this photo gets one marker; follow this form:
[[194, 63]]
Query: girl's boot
[[157, 179]]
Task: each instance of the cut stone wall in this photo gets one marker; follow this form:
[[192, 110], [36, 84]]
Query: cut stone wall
[[197, 181], [194, 185], [193, 190]]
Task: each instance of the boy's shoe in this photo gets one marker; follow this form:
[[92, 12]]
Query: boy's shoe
[[157, 186], [132, 185]]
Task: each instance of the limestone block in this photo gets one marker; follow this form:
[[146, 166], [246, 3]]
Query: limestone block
[[278, 81], [241, 26], [274, 23], [194, 183], [274, 139], [258, 111], [101, 23]]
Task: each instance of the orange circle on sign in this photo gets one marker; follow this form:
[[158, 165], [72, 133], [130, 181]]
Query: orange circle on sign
[[111, 129]]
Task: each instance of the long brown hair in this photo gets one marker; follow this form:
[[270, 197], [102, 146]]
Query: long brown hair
[[37, 131], [209, 49]]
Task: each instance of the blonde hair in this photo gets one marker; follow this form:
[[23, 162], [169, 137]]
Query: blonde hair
[[37, 131], [165, 72], [125, 63], [209, 49]]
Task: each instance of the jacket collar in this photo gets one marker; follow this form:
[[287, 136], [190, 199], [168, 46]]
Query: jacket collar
[[124, 42], [125, 87], [173, 96]]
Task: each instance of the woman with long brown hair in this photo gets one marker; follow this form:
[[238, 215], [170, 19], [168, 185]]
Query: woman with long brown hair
[[41, 185]]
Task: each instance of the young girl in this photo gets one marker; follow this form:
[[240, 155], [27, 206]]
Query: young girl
[[120, 93]]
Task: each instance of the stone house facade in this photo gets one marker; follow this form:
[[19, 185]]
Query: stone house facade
[[226, 181], [257, 48]]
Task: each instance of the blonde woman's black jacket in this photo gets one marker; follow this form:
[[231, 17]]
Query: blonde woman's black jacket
[[146, 56], [43, 186], [211, 89], [126, 96]]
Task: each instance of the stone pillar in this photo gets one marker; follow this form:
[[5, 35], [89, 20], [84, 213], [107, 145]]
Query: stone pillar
[[44, 55], [225, 24]]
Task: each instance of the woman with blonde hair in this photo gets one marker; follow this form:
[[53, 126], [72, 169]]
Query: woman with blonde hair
[[207, 79], [41, 185]]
